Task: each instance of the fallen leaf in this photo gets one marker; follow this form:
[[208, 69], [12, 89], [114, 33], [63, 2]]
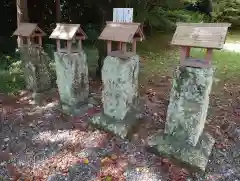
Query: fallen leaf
[[114, 157], [106, 160], [86, 161], [108, 178]]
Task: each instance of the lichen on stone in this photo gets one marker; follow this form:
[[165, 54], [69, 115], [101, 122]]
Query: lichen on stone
[[189, 101], [72, 77], [36, 68], [120, 86]]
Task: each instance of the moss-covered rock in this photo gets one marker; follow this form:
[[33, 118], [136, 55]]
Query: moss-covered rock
[[189, 99], [183, 139], [36, 68], [119, 96], [120, 81], [72, 79]]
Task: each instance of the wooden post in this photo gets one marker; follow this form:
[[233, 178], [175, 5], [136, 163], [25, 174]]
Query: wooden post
[[29, 41], [109, 47], [22, 15], [124, 47], [209, 55], [119, 45], [69, 46], [80, 44], [134, 45], [40, 41], [20, 41], [184, 53], [58, 45], [58, 11]]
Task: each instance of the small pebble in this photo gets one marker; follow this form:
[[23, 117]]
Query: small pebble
[[6, 139]]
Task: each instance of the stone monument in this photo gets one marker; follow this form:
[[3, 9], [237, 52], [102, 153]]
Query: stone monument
[[184, 138], [120, 78], [35, 60], [71, 67]]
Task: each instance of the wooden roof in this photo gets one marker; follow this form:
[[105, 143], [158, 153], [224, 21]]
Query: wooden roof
[[27, 29], [203, 35], [67, 31], [123, 32]]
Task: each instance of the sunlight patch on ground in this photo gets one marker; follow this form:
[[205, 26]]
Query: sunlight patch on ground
[[235, 47], [59, 136], [40, 109]]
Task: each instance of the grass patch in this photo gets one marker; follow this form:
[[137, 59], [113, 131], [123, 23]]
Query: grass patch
[[157, 59], [11, 82], [233, 36], [227, 63]]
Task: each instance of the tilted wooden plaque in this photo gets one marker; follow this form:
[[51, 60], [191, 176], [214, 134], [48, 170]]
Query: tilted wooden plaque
[[202, 35]]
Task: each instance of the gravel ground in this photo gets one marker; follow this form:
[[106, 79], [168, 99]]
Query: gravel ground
[[46, 145]]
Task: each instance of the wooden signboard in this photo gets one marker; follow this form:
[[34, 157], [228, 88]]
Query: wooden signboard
[[202, 35], [123, 31], [28, 32], [123, 15], [69, 33]]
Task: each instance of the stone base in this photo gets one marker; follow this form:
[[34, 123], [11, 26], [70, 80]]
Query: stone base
[[121, 128], [194, 156], [79, 108], [38, 98]]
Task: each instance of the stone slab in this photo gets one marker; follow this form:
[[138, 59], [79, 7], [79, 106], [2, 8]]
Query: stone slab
[[194, 156], [120, 86], [188, 105], [78, 109], [121, 128], [37, 72], [72, 81]]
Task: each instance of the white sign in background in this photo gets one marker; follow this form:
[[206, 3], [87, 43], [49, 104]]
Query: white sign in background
[[123, 15]]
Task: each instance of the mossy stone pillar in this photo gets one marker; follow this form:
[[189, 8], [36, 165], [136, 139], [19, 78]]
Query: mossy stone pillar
[[36, 68], [119, 95], [72, 80], [183, 138]]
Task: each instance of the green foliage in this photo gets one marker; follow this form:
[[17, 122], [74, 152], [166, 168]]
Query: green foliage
[[6, 61], [12, 79], [92, 32], [191, 17], [227, 11]]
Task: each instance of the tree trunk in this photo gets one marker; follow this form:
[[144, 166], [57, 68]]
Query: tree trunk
[[22, 13], [102, 48], [58, 11]]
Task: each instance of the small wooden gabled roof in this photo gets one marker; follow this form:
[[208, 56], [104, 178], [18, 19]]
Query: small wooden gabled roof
[[122, 32], [67, 31], [202, 35], [27, 29]]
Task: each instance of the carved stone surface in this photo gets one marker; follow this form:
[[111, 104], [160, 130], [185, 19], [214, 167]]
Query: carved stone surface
[[183, 136], [36, 68], [120, 81], [189, 99], [72, 79], [119, 95]]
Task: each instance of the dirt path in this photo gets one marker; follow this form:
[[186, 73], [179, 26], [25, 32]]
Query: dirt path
[[235, 47]]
